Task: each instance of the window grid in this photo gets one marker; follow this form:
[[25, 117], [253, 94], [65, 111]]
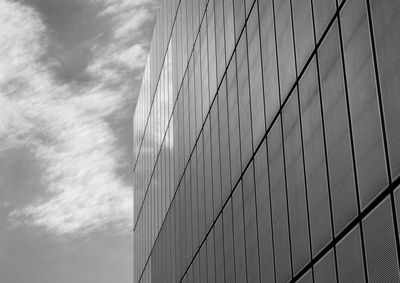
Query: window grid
[[184, 187]]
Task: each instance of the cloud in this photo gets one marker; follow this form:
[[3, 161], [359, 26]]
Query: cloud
[[66, 124]]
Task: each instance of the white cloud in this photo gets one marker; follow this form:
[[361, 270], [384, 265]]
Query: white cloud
[[128, 18], [66, 128]]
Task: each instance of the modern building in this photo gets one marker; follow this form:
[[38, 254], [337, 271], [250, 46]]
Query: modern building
[[267, 143]]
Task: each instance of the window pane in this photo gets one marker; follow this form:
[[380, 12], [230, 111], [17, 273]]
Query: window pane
[[350, 261], [239, 17], [238, 232], [299, 230], [188, 213], [210, 257], [386, 19], [216, 167], [314, 155], [307, 278], [219, 250], [195, 218], [285, 46], [182, 220], [264, 215], [201, 189], [343, 192], [269, 64], [229, 28], [234, 137], [224, 141], [323, 13], [363, 101], [380, 245], [256, 90], [303, 31], [208, 175], [212, 68], [244, 100], [228, 243], [220, 37], [204, 68], [203, 263], [250, 225], [279, 204], [324, 270]]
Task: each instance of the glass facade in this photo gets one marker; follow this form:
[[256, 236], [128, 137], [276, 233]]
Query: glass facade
[[267, 143]]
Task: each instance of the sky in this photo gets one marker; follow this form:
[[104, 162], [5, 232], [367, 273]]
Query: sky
[[70, 73]]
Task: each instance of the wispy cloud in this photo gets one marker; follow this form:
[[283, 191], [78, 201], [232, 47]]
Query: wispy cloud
[[67, 124]]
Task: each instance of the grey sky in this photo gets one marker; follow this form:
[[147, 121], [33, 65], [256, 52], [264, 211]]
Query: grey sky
[[70, 72]]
